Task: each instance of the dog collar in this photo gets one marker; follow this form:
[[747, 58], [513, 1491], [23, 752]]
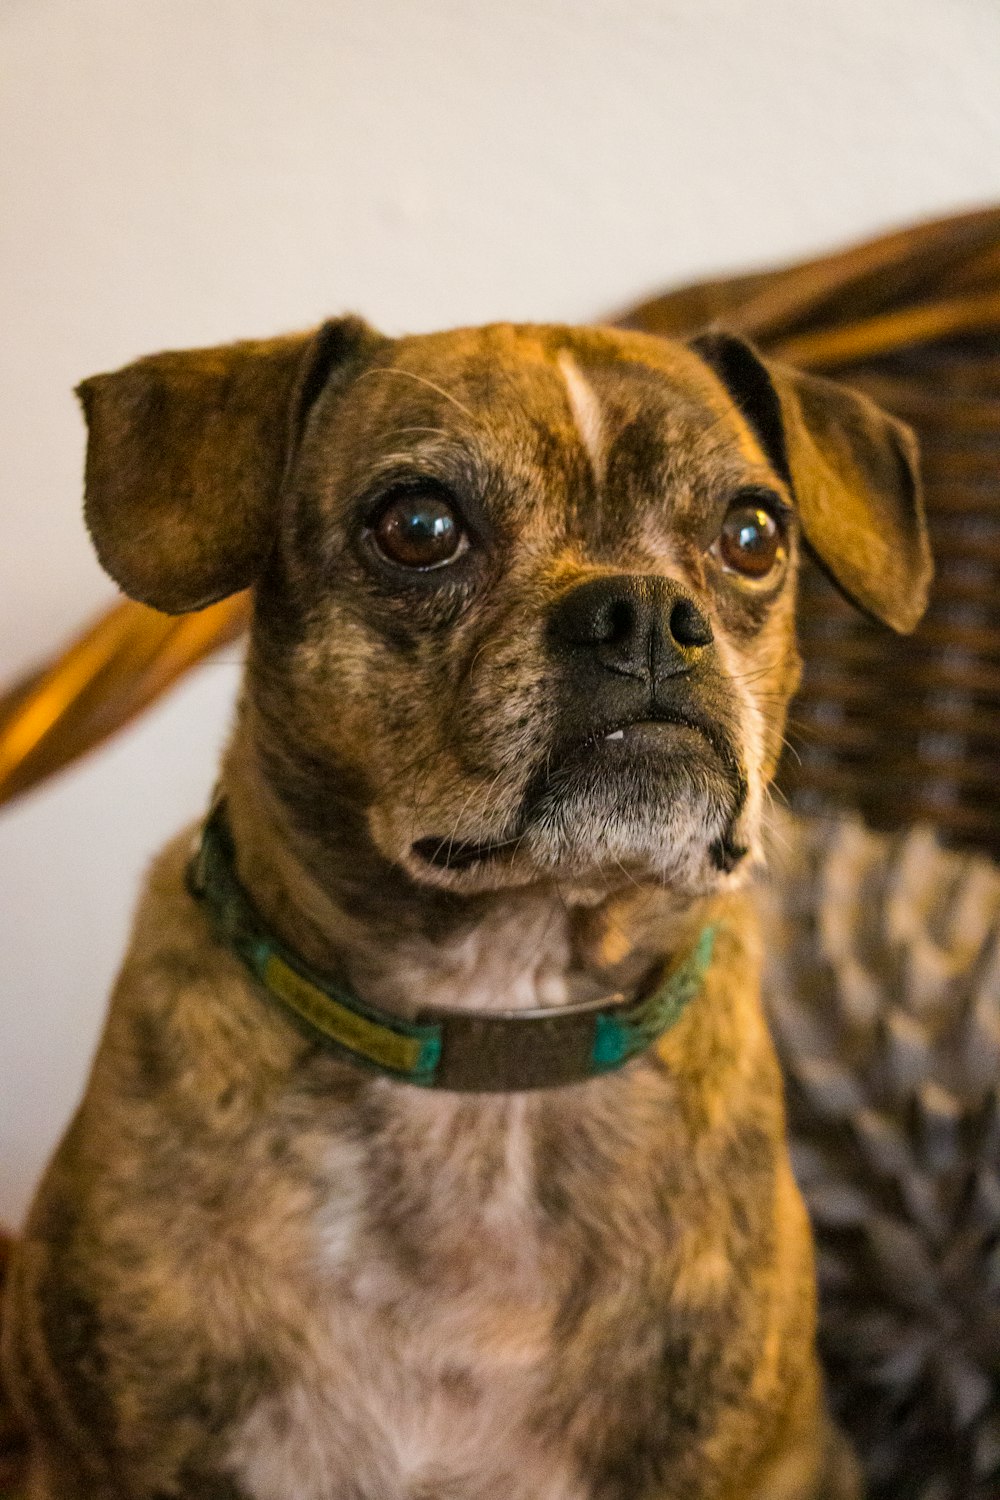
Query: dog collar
[[497, 1052]]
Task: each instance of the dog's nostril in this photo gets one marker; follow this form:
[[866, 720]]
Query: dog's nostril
[[688, 626], [618, 623], [598, 616]]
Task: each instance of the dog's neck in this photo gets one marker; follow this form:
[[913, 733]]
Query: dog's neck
[[508, 950]]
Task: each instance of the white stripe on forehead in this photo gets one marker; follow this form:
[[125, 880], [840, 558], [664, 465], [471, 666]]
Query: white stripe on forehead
[[586, 409]]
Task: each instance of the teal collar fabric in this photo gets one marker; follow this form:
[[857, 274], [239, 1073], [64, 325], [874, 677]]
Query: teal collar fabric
[[498, 1052]]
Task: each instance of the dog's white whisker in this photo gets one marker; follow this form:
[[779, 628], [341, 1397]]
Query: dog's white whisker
[[429, 431], [421, 380]]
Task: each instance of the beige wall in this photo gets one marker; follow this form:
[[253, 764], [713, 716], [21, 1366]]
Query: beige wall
[[183, 171]]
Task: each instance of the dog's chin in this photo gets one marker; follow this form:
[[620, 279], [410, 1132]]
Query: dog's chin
[[655, 801], [652, 801]]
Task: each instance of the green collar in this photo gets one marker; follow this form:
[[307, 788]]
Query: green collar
[[497, 1052]]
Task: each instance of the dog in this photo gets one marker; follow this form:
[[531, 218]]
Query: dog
[[435, 1147]]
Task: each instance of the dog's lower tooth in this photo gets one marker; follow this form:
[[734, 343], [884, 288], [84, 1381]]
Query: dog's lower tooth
[[616, 734]]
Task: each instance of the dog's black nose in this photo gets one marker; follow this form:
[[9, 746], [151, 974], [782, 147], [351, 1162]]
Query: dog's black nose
[[633, 625]]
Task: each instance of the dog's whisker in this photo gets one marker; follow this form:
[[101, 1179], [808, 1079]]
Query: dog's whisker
[[433, 431], [421, 380]]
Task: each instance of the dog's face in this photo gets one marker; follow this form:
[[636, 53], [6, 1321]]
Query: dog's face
[[534, 591], [524, 595]]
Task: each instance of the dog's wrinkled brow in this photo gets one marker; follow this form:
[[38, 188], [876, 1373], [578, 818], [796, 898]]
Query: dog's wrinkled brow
[[615, 444]]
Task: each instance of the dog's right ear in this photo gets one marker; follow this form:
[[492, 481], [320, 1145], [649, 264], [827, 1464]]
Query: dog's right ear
[[852, 470], [187, 453]]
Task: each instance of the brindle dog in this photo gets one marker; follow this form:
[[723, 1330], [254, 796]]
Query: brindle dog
[[521, 650]]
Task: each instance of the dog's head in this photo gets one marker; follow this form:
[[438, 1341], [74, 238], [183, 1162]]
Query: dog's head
[[524, 595]]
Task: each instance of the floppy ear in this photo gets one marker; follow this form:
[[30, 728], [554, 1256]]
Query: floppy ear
[[853, 473], [186, 456]]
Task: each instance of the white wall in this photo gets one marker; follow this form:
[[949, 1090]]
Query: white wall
[[185, 171]]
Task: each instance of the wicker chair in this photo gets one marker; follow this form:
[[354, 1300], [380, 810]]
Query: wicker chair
[[885, 978]]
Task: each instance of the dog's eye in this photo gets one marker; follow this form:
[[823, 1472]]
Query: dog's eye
[[752, 541], [420, 530]]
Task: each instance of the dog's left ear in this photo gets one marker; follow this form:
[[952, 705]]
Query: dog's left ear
[[852, 470], [187, 453]]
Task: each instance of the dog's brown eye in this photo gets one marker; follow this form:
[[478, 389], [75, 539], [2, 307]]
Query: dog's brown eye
[[751, 542], [419, 531]]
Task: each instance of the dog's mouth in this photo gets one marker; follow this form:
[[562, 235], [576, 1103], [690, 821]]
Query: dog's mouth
[[649, 746], [461, 854]]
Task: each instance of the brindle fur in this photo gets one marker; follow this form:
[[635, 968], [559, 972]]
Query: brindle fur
[[254, 1271]]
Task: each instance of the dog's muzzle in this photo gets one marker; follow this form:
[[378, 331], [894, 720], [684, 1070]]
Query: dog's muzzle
[[638, 673], [642, 712]]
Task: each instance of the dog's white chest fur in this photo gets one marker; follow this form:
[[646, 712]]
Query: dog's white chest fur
[[399, 1433], [414, 1388]]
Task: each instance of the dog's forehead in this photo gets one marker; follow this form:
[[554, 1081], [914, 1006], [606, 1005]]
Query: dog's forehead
[[542, 393], [509, 372]]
